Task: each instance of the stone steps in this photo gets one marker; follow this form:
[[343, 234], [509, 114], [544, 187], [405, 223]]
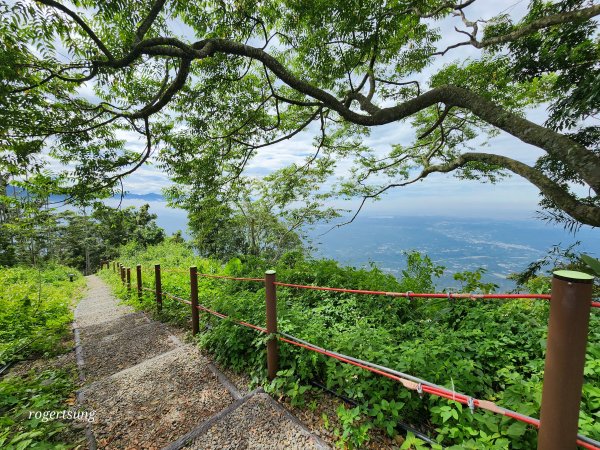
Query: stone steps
[[149, 391]]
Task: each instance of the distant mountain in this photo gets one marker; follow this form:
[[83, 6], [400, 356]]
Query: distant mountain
[[151, 197]]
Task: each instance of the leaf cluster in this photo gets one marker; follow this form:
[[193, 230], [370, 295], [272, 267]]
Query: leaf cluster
[[489, 349]]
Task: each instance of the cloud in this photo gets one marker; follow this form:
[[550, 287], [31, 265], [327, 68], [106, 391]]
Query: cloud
[[438, 194]]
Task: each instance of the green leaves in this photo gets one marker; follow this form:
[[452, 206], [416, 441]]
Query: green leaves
[[485, 348], [35, 311], [592, 263], [29, 329], [47, 390]]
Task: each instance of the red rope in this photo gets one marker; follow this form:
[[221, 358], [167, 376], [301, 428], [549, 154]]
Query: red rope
[[444, 393], [176, 270], [209, 275], [179, 299], [415, 295], [225, 316], [410, 295]]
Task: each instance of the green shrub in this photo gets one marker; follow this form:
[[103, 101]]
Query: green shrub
[[35, 310], [35, 319], [489, 349]]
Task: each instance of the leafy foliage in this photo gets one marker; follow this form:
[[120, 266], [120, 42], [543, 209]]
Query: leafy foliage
[[35, 310], [35, 319], [45, 391], [255, 217], [32, 231], [206, 86], [489, 349]]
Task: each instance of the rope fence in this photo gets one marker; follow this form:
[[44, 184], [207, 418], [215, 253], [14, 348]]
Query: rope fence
[[410, 382]]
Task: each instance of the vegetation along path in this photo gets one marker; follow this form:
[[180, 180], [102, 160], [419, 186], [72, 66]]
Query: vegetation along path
[[150, 391]]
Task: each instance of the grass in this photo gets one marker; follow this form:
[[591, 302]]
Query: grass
[[35, 330]]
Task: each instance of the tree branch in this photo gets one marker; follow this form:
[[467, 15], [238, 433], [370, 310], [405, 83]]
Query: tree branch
[[582, 212], [81, 23], [174, 88], [530, 28], [149, 20]]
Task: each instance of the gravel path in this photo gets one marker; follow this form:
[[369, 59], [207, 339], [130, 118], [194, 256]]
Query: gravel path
[[153, 403], [150, 391], [258, 423]]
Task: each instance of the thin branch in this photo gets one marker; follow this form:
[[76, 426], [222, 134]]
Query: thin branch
[[283, 138], [439, 9], [437, 123], [525, 30], [53, 75], [308, 163], [81, 23]]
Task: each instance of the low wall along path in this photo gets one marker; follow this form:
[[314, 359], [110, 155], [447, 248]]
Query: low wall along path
[[150, 391]]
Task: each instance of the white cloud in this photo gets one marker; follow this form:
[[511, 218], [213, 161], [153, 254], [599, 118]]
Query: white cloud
[[438, 194]]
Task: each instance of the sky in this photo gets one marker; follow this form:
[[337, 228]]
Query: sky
[[439, 194]]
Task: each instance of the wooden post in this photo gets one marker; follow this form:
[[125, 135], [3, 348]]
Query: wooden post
[[138, 279], [158, 287], [271, 303], [129, 278], [194, 298], [570, 305], [122, 274]]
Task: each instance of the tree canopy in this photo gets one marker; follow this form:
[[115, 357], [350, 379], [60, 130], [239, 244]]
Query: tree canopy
[[207, 84], [32, 230]]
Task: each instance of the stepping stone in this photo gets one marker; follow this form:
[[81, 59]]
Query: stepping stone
[[106, 355], [97, 331], [149, 405], [257, 422], [93, 314]]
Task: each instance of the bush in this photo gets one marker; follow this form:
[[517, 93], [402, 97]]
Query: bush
[[35, 318], [492, 350], [35, 310]]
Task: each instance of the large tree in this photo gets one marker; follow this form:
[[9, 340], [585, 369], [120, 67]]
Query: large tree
[[210, 83]]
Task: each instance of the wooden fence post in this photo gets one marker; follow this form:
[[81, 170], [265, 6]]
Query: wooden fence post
[[128, 278], [194, 298], [158, 287], [570, 305], [138, 279], [271, 304], [122, 274]]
